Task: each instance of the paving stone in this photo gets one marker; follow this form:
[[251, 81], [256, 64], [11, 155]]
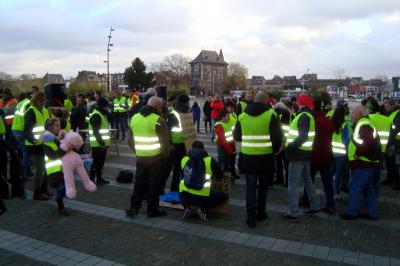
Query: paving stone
[[92, 260], [267, 243], [336, 255], [80, 257]]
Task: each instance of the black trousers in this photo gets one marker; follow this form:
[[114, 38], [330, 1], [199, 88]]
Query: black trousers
[[99, 158], [2, 205], [147, 180], [174, 164], [207, 122], [392, 171], [256, 195], [214, 200]]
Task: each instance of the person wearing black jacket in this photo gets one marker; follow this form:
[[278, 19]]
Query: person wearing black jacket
[[36, 149], [99, 153], [178, 148], [257, 167], [78, 114], [207, 114]]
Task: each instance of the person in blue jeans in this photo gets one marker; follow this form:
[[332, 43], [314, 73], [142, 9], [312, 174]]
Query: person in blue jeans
[[340, 141], [195, 110], [363, 152]]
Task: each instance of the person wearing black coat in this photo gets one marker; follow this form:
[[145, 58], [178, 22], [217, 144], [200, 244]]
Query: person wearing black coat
[[207, 115]]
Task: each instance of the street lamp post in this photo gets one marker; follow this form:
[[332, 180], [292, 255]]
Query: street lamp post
[[109, 44]]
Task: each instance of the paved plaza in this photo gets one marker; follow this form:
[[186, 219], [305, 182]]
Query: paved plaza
[[98, 233]]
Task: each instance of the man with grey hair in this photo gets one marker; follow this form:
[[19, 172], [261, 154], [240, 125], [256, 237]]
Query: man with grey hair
[[148, 138], [258, 131], [363, 154]]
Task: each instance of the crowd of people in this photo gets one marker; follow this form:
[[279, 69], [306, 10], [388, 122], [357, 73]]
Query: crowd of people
[[285, 142]]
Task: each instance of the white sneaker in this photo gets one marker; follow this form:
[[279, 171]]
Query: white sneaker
[[202, 214]]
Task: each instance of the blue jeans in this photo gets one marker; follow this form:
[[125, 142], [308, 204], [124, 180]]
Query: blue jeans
[[337, 169], [60, 191], [25, 157], [361, 183], [212, 129], [256, 202], [300, 171]]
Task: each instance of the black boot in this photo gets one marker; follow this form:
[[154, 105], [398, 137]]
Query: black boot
[[61, 208], [3, 207]]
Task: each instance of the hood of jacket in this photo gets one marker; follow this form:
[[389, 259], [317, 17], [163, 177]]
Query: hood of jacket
[[147, 110], [197, 154], [256, 109]]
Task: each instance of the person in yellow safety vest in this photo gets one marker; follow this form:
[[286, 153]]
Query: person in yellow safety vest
[[34, 122], [299, 145], [148, 139], [363, 154], [68, 105], [199, 170], [54, 167], [383, 125], [230, 107], [120, 114], [18, 132], [258, 131], [99, 140], [224, 140], [285, 117], [392, 178], [246, 99], [178, 148], [340, 140], [2, 125]]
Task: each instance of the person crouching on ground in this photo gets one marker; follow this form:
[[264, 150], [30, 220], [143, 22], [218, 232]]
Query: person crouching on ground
[[196, 188], [53, 154]]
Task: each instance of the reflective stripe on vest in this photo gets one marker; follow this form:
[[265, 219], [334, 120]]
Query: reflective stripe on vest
[[293, 132], [18, 123], [145, 135], [232, 120], [103, 131], [38, 127], [255, 133], [392, 117], [337, 142], [205, 191], [177, 131], [383, 125], [117, 102], [2, 126], [52, 166], [351, 150], [228, 133]]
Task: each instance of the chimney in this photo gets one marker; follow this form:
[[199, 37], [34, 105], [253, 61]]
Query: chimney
[[221, 55]]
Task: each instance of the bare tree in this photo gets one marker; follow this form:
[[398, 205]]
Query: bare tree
[[237, 74], [174, 70]]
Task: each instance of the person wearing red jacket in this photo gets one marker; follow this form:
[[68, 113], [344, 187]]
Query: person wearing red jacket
[[224, 140], [216, 106]]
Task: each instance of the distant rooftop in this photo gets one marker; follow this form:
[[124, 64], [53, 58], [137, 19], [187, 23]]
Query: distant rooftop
[[210, 57]]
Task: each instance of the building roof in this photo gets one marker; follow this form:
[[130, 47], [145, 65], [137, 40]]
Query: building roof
[[53, 78], [210, 57]]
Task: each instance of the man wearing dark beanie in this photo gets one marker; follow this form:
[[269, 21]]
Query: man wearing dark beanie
[[99, 135], [178, 149]]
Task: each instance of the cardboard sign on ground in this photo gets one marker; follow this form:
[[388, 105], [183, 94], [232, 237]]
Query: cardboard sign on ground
[[189, 132], [223, 185]]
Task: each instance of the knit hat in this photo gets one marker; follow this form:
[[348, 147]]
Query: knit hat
[[306, 100], [101, 102]]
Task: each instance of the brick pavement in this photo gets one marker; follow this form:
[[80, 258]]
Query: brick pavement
[[98, 228]]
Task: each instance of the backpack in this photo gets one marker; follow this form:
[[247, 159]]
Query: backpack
[[125, 176], [194, 174]]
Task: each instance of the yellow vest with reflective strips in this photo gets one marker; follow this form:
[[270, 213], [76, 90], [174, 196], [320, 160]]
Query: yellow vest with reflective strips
[[337, 142], [38, 127], [117, 102], [383, 125], [206, 190], [104, 131], [145, 135], [228, 132], [255, 133], [351, 149], [177, 131], [52, 166], [294, 133]]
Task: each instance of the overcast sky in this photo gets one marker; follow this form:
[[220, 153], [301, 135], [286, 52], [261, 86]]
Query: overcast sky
[[284, 37]]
